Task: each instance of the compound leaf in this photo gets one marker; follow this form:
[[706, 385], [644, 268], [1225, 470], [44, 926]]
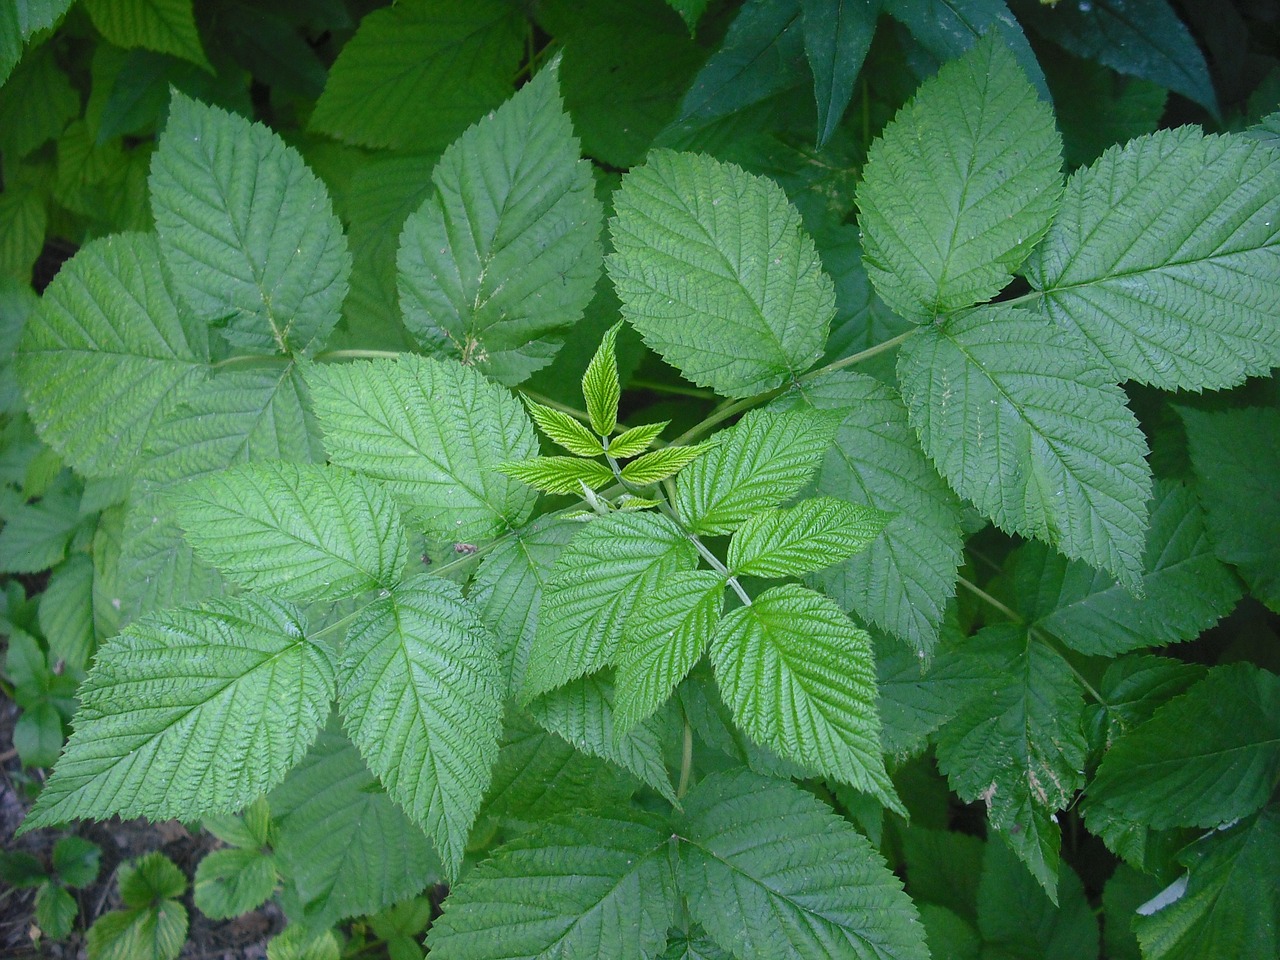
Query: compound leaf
[[247, 230], [559, 474], [564, 430], [191, 711], [813, 534], [660, 464], [505, 254], [1024, 423], [300, 531], [636, 440], [800, 679], [580, 888], [420, 694], [716, 273], [600, 388], [771, 871]]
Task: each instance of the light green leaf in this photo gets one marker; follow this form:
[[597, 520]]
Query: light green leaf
[[837, 36], [662, 640], [1018, 745], [107, 354], [36, 535], [247, 230], [661, 464], [157, 568], [433, 432], [903, 579], [564, 430], [771, 871], [1223, 911], [408, 55], [299, 531], [1169, 286], [1021, 421], [600, 388], [302, 942], [715, 271], [762, 461], [166, 26], [66, 612], [813, 534], [558, 474], [344, 846], [582, 713], [56, 911], [231, 882], [145, 933], [589, 887], [635, 440], [420, 695], [1205, 758], [960, 187], [175, 707], [506, 252], [595, 583], [800, 679], [1186, 589], [250, 829]]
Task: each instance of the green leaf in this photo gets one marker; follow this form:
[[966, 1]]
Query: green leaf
[[1017, 919], [564, 430], [960, 187], [36, 103], [344, 846], [1186, 589], [505, 254], [813, 534], [37, 735], [166, 26], [1235, 455], [1132, 688], [19, 22], [635, 440], [600, 388], [156, 567], [174, 706], [300, 531], [799, 677], [56, 911], [420, 696], [1223, 909], [250, 829], [22, 226], [690, 11], [1168, 286], [716, 273], [582, 713], [460, 58], [36, 535], [1021, 421], [247, 230], [595, 583], [762, 461], [66, 612], [1018, 745], [904, 577], [943, 867], [302, 942], [149, 879], [21, 870], [590, 886], [770, 871], [433, 432], [662, 640], [148, 933], [107, 354], [1205, 758], [231, 882], [76, 861], [837, 36], [660, 464], [558, 474]]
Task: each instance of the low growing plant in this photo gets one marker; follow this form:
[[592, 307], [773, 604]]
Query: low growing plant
[[404, 564]]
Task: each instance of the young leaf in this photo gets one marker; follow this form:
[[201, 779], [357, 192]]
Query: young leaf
[[960, 187], [76, 861], [107, 353], [600, 388], [715, 271], [1169, 286], [558, 474], [247, 231], [587, 886], [433, 432], [763, 460], [770, 871], [1205, 758], [837, 36], [300, 531], [1020, 748], [815, 533], [506, 252], [231, 882], [663, 638], [142, 933], [564, 430], [419, 694], [660, 464], [637, 440], [460, 59], [190, 712], [1021, 421], [800, 679], [56, 911], [594, 585]]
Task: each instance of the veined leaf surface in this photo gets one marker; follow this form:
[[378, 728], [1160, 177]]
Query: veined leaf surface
[[815, 533]]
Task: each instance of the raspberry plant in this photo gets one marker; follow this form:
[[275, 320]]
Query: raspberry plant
[[399, 583]]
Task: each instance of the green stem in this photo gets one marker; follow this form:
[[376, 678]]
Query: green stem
[[987, 598], [859, 357], [674, 389], [686, 761], [252, 358], [359, 355], [1018, 301]]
